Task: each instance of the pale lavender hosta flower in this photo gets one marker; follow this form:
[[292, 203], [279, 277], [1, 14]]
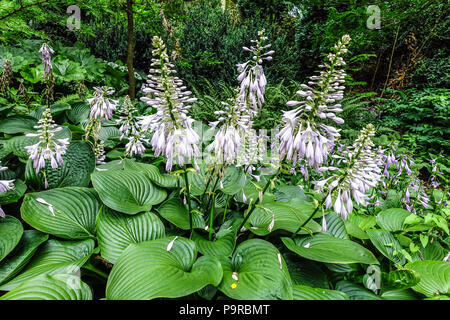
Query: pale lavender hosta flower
[[305, 135], [135, 145], [351, 183], [235, 141], [102, 107], [251, 73], [130, 128], [5, 185], [173, 135], [49, 147], [46, 58]]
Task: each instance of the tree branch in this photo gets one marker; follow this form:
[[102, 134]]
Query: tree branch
[[22, 7]]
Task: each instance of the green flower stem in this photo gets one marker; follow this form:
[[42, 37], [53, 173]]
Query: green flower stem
[[225, 211], [211, 217], [186, 181], [253, 207]]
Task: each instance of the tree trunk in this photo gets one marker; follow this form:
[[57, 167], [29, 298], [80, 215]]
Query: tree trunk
[[131, 79]]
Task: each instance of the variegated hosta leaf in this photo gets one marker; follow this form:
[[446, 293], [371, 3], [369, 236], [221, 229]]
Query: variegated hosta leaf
[[127, 191], [116, 231], [161, 268], [257, 271], [68, 213]]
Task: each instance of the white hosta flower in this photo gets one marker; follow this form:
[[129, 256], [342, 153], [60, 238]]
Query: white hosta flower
[[363, 172], [304, 135], [173, 136], [101, 106], [135, 145], [235, 141], [170, 245], [5, 185], [48, 147], [50, 206]]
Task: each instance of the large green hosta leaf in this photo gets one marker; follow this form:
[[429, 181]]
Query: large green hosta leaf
[[326, 248], [434, 277], [30, 241], [257, 271], [356, 292], [161, 268], [221, 245], [75, 210], [387, 244], [233, 181], [127, 191], [79, 162], [54, 257], [284, 217], [152, 172], [46, 287], [175, 212], [308, 293], [392, 219], [11, 231], [116, 231], [18, 124]]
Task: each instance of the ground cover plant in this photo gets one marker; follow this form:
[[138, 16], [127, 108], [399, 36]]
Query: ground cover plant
[[127, 184]]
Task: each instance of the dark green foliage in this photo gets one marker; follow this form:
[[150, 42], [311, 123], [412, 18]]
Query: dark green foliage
[[422, 116]]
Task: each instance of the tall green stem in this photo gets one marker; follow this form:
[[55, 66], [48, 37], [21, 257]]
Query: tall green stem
[[186, 182], [253, 205]]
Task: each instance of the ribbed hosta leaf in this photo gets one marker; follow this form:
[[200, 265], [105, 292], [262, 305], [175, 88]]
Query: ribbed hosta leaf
[[287, 193], [356, 292], [18, 124], [11, 231], [152, 172], [305, 272], [30, 241], [75, 210], [54, 257], [161, 268], [46, 287], [79, 112], [336, 226], [127, 191], [392, 219], [434, 277], [175, 212], [116, 231], [285, 217], [222, 245], [400, 279], [260, 273], [407, 294], [326, 248], [387, 244], [79, 162], [308, 293], [233, 181]]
